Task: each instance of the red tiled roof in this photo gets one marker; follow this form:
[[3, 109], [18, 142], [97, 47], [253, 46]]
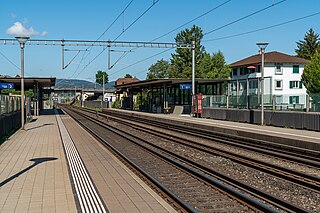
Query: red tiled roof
[[120, 81], [270, 57]]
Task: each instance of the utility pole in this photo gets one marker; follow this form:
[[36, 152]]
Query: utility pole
[[193, 73], [22, 41], [103, 87], [262, 46]]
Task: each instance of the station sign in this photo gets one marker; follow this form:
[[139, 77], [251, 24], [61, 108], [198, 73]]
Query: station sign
[[185, 86], [6, 86]]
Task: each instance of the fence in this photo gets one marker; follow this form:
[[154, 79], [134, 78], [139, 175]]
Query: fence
[[9, 104], [96, 104], [295, 102]]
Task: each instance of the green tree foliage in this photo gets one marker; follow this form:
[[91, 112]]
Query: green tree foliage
[[182, 60], [311, 78], [214, 67], [159, 70], [180, 65], [27, 93], [99, 77], [310, 44], [128, 76]]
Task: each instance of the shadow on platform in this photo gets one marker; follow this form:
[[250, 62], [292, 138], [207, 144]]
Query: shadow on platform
[[36, 127], [50, 112], [36, 161]]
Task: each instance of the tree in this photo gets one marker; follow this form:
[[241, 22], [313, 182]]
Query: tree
[[214, 67], [311, 79], [182, 60], [159, 70], [309, 45], [99, 77], [128, 76]]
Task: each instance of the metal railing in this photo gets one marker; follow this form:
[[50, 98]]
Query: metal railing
[[9, 104], [297, 102]]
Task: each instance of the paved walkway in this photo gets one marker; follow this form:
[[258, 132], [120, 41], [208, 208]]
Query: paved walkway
[[34, 173], [121, 190], [33, 170]]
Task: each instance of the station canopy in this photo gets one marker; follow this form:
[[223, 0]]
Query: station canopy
[[161, 82], [29, 82]]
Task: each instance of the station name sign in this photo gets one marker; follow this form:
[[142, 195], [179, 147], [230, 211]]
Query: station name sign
[[6, 86], [185, 86]]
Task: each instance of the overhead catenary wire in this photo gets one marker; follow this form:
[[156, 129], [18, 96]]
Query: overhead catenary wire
[[108, 28], [3, 55], [142, 60], [244, 17], [263, 28], [225, 25], [188, 22], [154, 2]]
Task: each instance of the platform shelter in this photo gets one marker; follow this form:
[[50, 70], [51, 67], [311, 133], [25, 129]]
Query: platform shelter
[[42, 88], [162, 95]]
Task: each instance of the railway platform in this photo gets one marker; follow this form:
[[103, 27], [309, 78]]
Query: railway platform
[[54, 165], [304, 139]]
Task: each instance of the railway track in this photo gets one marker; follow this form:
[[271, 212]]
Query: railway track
[[243, 189]]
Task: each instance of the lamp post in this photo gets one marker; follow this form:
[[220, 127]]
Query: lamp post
[[22, 40], [262, 46], [193, 73]]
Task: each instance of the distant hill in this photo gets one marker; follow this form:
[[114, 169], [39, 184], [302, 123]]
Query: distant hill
[[71, 83]]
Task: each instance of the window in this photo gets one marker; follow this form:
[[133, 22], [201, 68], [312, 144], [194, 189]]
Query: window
[[234, 71], [278, 69], [278, 84], [293, 99], [258, 68], [295, 84], [295, 68], [242, 71], [279, 99]]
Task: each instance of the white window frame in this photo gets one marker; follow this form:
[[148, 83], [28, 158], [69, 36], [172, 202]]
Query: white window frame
[[275, 85], [278, 71], [295, 84]]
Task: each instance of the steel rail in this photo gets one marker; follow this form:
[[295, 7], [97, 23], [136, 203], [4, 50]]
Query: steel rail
[[174, 197], [300, 178], [239, 142], [271, 199]]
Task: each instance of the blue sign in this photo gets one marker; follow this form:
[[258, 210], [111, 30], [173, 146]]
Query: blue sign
[[6, 86], [185, 86]]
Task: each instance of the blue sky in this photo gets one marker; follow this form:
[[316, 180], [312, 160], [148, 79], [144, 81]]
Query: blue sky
[[87, 20]]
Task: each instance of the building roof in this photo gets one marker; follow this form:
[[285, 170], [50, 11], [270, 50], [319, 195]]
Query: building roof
[[269, 57], [29, 82], [121, 81], [161, 82]]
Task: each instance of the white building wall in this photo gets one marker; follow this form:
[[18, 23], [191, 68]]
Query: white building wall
[[271, 76]]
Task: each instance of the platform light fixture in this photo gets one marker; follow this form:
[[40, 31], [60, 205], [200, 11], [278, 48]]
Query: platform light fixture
[[262, 46], [22, 41]]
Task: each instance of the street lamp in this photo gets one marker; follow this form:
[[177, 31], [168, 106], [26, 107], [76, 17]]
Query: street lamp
[[262, 46], [22, 40]]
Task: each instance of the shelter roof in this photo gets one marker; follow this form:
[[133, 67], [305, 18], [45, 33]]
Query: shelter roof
[[168, 81], [29, 82]]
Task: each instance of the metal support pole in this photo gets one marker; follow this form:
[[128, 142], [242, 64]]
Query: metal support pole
[[193, 73], [193, 68], [262, 46], [108, 45], [62, 44], [103, 88], [262, 87], [22, 85]]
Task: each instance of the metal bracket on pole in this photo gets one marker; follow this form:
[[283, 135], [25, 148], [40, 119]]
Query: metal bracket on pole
[[62, 45], [108, 45]]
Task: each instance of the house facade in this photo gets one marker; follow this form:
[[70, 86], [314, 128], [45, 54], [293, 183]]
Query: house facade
[[282, 80]]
